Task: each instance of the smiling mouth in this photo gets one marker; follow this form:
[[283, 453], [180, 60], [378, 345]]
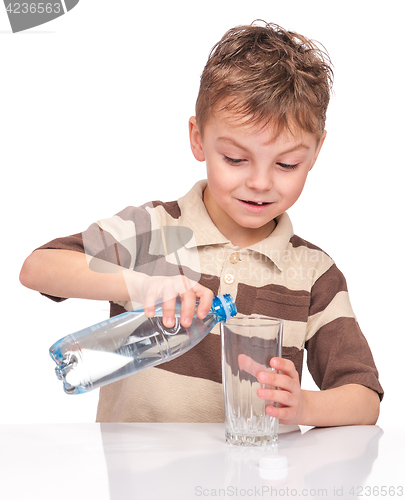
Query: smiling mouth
[[256, 203]]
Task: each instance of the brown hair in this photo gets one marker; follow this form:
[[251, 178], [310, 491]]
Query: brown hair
[[268, 75]]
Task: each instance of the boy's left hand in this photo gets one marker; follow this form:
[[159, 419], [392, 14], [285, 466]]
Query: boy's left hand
[[288, 392], [286, 388]]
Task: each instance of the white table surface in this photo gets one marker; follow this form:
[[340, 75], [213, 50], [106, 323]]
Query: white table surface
[[188, 461]]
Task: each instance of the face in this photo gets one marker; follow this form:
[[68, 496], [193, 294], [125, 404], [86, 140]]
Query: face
[[252, 176]]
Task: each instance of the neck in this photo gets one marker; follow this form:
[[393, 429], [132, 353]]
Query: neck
[[245, 238], [238, 235]]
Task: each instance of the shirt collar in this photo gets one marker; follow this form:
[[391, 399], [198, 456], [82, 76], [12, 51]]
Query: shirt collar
[[195, 216], [275, 246]]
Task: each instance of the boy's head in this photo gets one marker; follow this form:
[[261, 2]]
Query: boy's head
[[259, 126], [269, 76]]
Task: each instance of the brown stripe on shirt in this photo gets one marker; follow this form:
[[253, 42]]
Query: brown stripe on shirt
[[73, 242], [339, 354], [116, 309], [276, 300], [210, 281], [110, 250], [296, 356], [325, 288], [171, 207], [202, 361], [296, 242]]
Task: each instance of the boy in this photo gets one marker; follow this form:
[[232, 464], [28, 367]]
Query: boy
[[259, 126]]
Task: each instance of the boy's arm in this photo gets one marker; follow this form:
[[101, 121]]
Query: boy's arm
[[65, 273], [350, 404]]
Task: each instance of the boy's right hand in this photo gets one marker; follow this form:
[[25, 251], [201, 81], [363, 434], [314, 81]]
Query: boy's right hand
[[166, 289]]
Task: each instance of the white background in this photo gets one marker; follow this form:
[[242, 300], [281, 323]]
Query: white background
[[93, 118]]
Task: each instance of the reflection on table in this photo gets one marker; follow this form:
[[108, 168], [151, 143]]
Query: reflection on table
[[186, 461]]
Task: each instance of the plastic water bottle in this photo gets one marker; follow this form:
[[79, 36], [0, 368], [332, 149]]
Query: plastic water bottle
[[129, 343]]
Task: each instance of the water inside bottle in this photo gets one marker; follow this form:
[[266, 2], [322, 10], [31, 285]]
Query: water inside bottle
[[86, 362]]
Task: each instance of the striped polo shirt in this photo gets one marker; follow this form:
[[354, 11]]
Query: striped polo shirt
[[282, 276]]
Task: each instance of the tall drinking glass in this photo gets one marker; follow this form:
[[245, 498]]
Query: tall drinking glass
[[248, 344]]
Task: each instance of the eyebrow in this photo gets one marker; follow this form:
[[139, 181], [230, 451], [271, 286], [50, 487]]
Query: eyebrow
[[231, 141]]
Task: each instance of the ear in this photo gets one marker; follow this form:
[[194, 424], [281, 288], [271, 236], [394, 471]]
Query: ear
[[196, 140], [319, 147]]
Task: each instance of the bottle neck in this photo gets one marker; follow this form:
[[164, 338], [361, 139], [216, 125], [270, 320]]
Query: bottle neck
[[223, 306]]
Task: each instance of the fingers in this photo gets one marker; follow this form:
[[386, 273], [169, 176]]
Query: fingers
[[285, 376], [169, 308], [205, 296], [284, 391], [167, 296], [188, 303], [278, 389], [164, 290], [167, 290], [284, 365]]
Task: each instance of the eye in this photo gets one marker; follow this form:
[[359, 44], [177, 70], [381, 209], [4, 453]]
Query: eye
[[233, 161], [287, 166]]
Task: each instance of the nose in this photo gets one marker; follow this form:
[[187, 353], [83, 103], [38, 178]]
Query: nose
[[259, 179]]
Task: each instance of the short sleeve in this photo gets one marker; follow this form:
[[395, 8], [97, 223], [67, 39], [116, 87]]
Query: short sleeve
[[338, 352], [73, 242]]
